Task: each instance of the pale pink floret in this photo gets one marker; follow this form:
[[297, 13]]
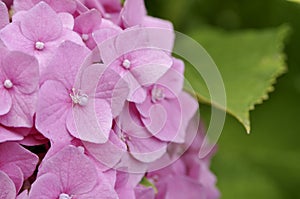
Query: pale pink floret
[[191, 174], [86, 24], [19, 80], [167, 109], [109, 9], [38, 32], [70, 174], [57, 5], [131, 56], [79, 101]]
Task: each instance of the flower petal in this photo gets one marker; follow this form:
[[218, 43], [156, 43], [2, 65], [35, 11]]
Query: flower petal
[[45, 187], [91, 123], [13, 153], [133, 13], [41, 23], [53, 107], [65, 64], [15, 174], [7, 187], [23, 70], [114, 147], [88, 22], [6, 101], [146, 149], [4, 18], [9, 135], [22, 110], [17, 41], [76, 172]]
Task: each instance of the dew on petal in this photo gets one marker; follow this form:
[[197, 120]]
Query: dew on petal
[[8, 84], [39, 45], [157, 94], [65, 196], [126, 64]]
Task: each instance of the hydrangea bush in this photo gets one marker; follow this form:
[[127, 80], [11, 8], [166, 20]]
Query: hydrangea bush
[[92, 105]]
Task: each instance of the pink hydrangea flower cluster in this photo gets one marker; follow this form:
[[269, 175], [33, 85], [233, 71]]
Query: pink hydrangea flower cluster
[[92, 105]]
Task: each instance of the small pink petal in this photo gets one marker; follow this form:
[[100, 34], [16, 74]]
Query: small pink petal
[[107, 30], [152, 22], [6, 101], [4, 18], [17, 41], [76, 172], [22, 110], [46, 186], [88, 22], [15, 174], [46, 27], [92, 122], [133, 13], [53, 107], [67, 20], [146, 150], [22, 70], [9, 135], [7, 187], [114, 147], [13, 153]]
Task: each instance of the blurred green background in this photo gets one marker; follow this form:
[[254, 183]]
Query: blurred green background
[[266, 163]]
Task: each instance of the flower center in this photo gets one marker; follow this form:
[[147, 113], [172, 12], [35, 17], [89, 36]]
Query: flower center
[[84, 37], [8, 84], [79, 98], [65, 196], [39, 45], [157, 94], [126, 64]]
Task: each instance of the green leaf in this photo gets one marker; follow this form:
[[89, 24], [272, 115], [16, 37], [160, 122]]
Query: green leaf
[[249, 63], [146, 183], [296, 1]]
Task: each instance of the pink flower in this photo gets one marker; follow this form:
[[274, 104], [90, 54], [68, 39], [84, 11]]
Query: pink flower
[[191, 174], [132, 146], [19, 77], [141, 145], [83, 107], [131, 56], [86, 24], [70, 174], [126, 184], [167, 110], [107, 30], [37, 32], [109, 8], [57, 5], [17, 163], [134, 14]]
